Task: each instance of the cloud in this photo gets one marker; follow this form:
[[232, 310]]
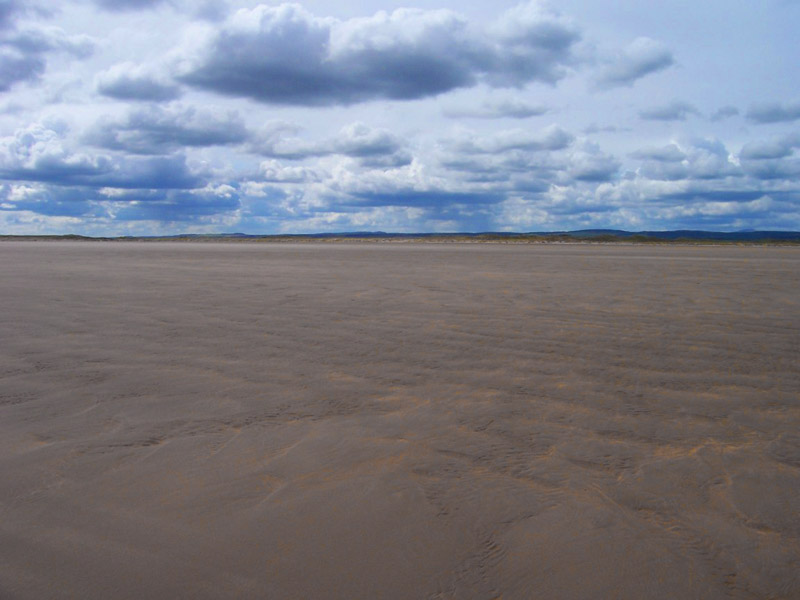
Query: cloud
[[9, 9], [286, 55], [774, 112], [37, 40], [156, 130], [776, 148], [724, 112], [424, 198], [772, 160], [414, 185], [355, 140], [178, 205], [589, 164], [212, 10], [119, 205], [359, 140], [699, 159], [595, 128], [387, 161], [532, 44], [642, 57], [127, 5], [723, 204], [518, 160], [23, 53], [674, 111], [668, 153], [772, 169], [551, 138], [40, 153], [49, 200], [126, 81], [664, 171], [276, 172], [504, 109], [514, 169], [16, 67]]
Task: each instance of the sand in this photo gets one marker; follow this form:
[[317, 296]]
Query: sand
[[398, 421]]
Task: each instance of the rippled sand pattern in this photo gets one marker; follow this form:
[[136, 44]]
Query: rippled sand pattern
[[399, 421]]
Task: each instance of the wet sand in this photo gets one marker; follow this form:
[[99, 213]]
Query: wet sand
[[399, 421]]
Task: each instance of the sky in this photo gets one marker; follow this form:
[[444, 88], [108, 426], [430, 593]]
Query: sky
[[153, 117]]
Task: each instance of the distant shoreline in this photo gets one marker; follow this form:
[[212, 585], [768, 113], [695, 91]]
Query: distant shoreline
[[624, 238]]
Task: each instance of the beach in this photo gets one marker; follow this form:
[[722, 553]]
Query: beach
[[189, 420]]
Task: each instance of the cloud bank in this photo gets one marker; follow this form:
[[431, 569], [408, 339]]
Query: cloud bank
[[148, 116]]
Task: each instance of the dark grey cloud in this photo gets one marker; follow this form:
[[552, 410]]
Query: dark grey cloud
[[724, 112], [126, 81], [674, 111], [504, 109], [642, 57], [156, 130], [668, 153], [774, 112], [285, 55]]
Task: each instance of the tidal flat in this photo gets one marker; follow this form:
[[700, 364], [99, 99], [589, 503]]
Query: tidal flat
[[460, 421]]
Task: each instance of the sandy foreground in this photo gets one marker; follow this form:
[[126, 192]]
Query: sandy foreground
[[398, 421]]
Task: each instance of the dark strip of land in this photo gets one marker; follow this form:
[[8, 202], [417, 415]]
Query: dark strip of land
[[583, 236]]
